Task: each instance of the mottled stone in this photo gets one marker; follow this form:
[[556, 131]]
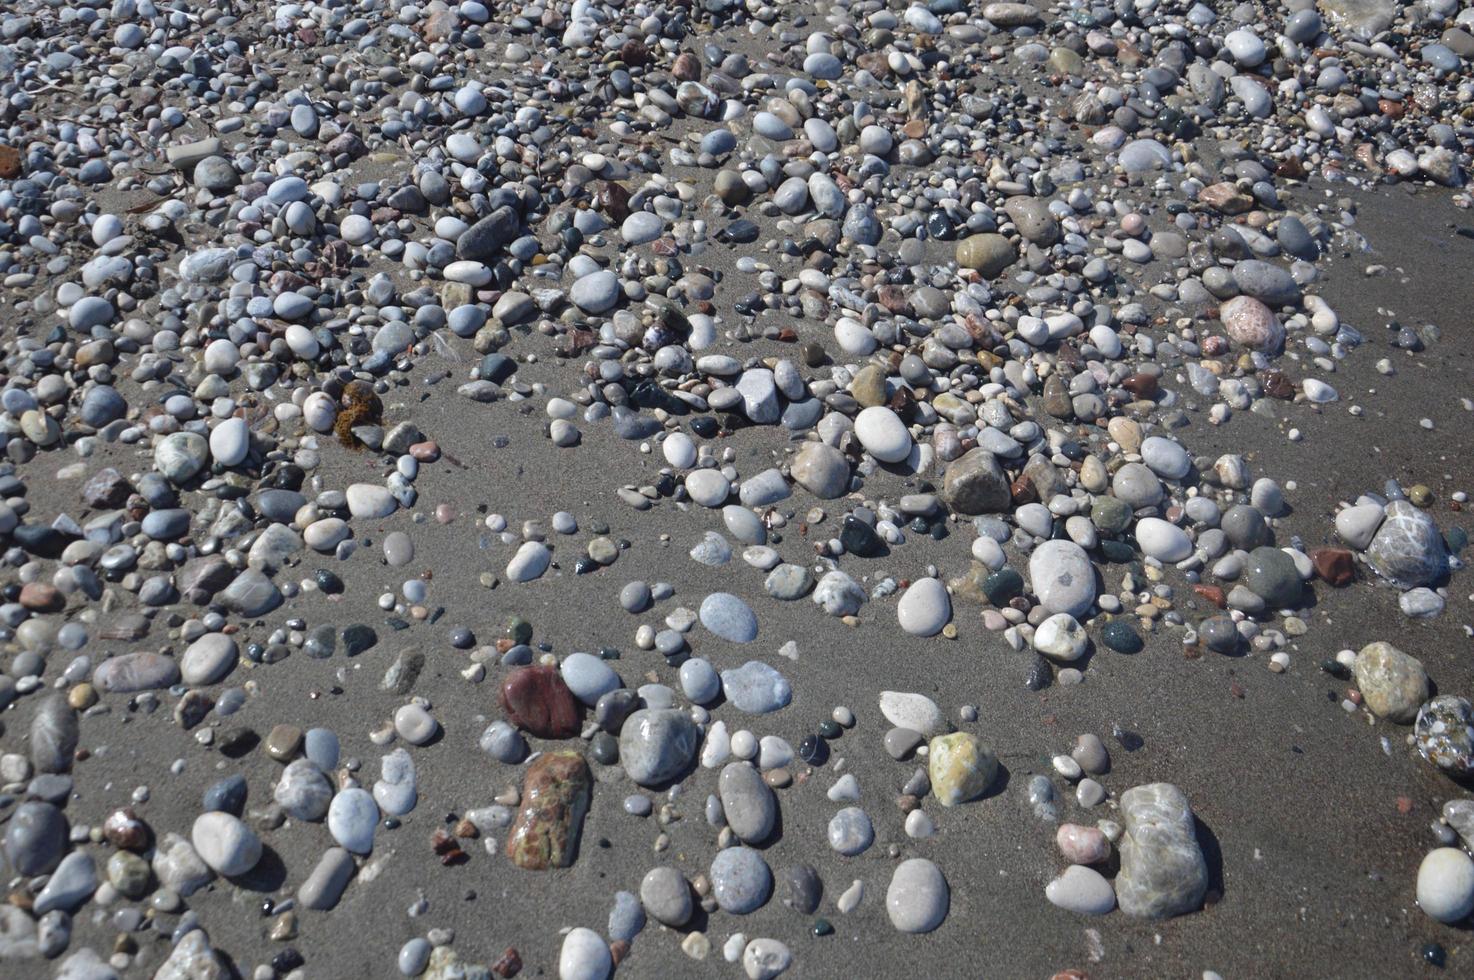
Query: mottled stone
[[1393, 684], [1163, 873], [961, 768], [555, 797]]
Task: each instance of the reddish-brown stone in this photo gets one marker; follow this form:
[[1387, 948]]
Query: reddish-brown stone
[[1334, 565], [537, 701], [1023, 492], [1141, 385], [1213, 594], [555, 797], [1276, 385], [686, 68], [123, 829], [509, 965], [41, 597]]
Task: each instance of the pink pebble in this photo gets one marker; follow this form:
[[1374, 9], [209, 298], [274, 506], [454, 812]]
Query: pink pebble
[[1082, 845], [1133, 224]]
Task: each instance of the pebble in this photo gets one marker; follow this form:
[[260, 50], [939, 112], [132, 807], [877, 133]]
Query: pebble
[[352, 816], [756, 688], [1445, 885], [750, 807], [924, 608], [960, 767], [1081, 890], [656, 745], [226, 844], [821, 287], [1163, 872], [918, 897], [584, 956], [741, 881], [729, 617], [850, 831]]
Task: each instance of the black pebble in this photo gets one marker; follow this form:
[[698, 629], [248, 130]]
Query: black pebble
[[813, 750], [1039, 676]]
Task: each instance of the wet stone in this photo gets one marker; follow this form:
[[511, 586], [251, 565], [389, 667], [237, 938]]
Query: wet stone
[[555, 797], [537, 700]]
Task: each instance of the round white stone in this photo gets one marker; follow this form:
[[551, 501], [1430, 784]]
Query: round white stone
[[925, 608], [530, 561], [1063, 578], [585, 956], [917, 898], [1162, 540], [230, 441], [224, 843], [708, 487], [679, 450], [883, 434], [1446, 884], [1061, 638]]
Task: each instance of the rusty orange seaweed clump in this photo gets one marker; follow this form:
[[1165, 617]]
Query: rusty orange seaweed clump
[[358, 406]]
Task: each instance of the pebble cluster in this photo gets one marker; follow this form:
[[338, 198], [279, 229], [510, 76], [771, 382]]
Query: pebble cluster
[[967, 275]]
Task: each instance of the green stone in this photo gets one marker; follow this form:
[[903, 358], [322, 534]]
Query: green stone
[[518, 630], [1066, 62], [1271, 575], [829, 729], [989, 253], [822, 927], [128, 873], [1117, 552], [1457, 540], [1120, 637], [1003, 585], [1110, 515]]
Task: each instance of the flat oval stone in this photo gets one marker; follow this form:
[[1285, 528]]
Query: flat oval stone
[[924, 608], [208, 660], [918, 897], [131, 672], [588, 677], [352, 817], [750, 807], [728, 617], [883, 434], [1081, 890]]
